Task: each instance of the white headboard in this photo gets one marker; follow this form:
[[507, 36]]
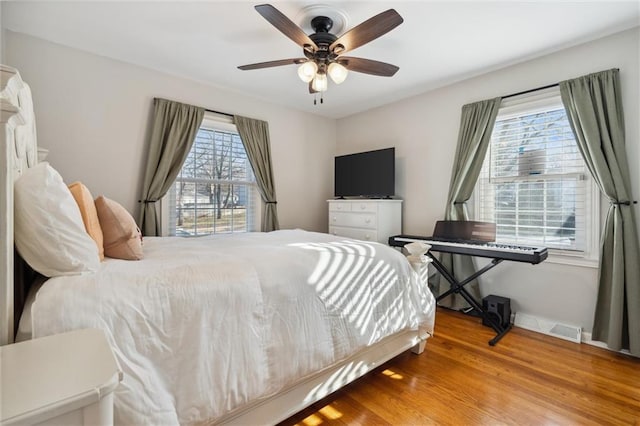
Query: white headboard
[[19, 151]]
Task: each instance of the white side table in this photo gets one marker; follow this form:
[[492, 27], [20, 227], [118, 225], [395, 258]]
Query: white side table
[[64, 379]]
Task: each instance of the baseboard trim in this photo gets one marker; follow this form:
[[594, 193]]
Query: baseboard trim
[[552, 328], [562, 331], [586, 338]]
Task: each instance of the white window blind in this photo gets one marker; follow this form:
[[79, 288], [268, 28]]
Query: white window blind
[[534, 183], [215, 191]]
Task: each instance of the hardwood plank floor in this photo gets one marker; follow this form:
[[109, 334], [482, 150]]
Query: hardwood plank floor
[[526, 379]]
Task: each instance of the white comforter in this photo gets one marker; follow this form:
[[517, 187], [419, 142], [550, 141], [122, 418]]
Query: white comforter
[[204, 325]]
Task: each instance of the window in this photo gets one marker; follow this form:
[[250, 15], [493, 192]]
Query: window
[[534, 183], [215, 191]]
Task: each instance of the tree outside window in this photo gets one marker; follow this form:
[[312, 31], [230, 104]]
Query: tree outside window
[[215, 189], [534, 182]]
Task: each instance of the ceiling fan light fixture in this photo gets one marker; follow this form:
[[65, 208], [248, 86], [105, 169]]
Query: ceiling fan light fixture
[[323, 49], [307, 71], [320, 83], [337, 72]]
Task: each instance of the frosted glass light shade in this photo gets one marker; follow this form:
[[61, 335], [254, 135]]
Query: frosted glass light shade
[[338, 72], [307, 71], [319, 83]]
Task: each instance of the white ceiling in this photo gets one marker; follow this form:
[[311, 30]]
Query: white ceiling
[[440, 42]]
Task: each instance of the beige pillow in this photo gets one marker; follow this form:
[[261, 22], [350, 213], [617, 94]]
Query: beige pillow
[[122, 238], [89, 214]]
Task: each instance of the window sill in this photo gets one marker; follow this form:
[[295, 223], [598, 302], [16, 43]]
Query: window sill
[[564, 258]]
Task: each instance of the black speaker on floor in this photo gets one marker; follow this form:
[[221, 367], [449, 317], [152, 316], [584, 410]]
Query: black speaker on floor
[[497, 307]]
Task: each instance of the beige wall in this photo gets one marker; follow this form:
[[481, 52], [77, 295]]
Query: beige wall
[[2, 38], [424, 130], [92, 114]]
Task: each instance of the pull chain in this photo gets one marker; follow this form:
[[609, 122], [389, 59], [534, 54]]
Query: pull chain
[[315, 98]]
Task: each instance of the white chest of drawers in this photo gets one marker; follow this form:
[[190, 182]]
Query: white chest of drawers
[[369, 220]]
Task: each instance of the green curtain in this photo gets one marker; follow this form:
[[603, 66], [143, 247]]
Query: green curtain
[[594, 107], [476, 126], [173, 131], [255, 137]]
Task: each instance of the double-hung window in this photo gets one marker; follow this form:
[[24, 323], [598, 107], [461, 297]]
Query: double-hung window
[[534, 183], [215, 191]]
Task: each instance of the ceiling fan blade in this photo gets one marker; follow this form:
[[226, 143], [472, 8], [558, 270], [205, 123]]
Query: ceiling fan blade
[[369, 30], [285, 25], [368, 66], [272, 64]]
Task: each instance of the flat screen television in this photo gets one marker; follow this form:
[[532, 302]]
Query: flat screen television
[[366, 174]]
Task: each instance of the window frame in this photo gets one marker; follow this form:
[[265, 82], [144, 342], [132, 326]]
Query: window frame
[[539, 101], [222, 123]]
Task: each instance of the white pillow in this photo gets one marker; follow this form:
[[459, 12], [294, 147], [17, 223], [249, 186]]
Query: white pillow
[[49, 232]]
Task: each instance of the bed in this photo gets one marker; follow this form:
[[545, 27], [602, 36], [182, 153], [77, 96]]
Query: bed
[[231, 329]]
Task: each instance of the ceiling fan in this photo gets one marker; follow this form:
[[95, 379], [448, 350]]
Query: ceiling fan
[[323, 50]]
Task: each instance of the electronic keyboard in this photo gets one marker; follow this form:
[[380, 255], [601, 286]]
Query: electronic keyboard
[[471, 239], [517, 253]]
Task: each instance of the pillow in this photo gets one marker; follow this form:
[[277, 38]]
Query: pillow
[[122, 238], [89, 214], [49, 232]]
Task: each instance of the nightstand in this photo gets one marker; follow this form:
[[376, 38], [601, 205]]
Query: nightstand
[[64, 379]]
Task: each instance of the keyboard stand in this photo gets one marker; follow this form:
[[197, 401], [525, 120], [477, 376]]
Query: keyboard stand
[[457, 287]]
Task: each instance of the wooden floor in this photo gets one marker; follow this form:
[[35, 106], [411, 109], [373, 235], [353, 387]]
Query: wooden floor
[[527, 379]]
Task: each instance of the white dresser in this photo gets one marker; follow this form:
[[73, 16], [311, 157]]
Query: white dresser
[[369, 220]]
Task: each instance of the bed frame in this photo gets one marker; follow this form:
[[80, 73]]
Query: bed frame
[[19, 151]]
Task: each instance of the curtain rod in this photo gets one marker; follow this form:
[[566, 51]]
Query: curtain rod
[[206, 109], [218, 112], [524, 92]]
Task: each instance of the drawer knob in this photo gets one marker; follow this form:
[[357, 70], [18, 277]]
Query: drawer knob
[[367, 220], [362, 206]]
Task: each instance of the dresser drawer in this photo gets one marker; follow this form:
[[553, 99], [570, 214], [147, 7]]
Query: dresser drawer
[[358, 234], [364, 207], [337, 206], [351, 219]]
